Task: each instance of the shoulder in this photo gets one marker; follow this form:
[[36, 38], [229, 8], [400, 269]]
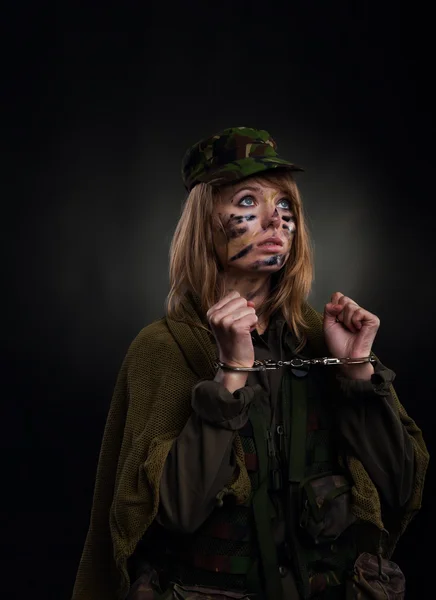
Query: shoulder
[[150, 357], [152, 339], [153, 359]]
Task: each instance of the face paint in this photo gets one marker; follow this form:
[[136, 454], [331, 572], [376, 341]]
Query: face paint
[[230, 221], [234, 233], [291, 228], [268, 215], [242, 253], [276, 259]]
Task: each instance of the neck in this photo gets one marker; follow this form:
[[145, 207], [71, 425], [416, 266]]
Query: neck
[[254, 287]]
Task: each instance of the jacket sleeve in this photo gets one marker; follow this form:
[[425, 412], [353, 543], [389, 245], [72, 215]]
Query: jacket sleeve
[[371, 426], [201, 462]]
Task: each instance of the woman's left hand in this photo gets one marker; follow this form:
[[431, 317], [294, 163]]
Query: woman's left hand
[[349, 329]]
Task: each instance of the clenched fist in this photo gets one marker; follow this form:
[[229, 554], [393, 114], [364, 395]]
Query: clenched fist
[[232, 320]]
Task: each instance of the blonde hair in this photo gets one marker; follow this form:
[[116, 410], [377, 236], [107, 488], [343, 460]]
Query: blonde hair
[[194, 266]]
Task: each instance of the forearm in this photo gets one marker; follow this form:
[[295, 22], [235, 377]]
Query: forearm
[[201, 461], [198, 466], [371, 427]]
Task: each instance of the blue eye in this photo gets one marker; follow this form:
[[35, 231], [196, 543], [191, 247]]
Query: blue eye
[[245, 198], [288, 204]]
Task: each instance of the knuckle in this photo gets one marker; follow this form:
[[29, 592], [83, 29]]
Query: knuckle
[[214, 320], [227, 320]]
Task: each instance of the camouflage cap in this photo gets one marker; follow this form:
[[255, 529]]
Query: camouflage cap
[[231, 155]]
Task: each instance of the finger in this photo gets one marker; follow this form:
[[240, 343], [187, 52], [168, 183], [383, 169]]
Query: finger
[[247, 323], [331, 312], [347, 316], [341, 313], [364, 317], [227, 298], [232, 321], [227, 307], [228, 310], [233, 306], [358, 317], [335, 297], [344, 316], [344, 300]]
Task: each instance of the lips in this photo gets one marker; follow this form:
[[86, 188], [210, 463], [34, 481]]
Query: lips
[[272, 240]]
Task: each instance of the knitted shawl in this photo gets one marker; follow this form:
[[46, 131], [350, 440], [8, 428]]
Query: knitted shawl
[[150, 406]]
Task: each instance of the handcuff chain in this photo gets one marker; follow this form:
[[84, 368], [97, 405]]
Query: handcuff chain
[[268, 364]]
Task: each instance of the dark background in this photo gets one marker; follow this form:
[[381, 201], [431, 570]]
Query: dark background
[[100, 105]]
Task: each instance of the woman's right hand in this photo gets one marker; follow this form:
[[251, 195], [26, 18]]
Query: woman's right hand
[[232, 320]]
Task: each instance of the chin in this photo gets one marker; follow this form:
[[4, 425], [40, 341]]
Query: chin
[[272, 263]]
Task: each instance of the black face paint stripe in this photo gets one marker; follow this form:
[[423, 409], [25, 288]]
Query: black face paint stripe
[[287, 219], [242, 253], [240, 218], [237, 232], [273, 260], [229, 221]]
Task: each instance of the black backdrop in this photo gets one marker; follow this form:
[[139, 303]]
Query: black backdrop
[[100, 106]]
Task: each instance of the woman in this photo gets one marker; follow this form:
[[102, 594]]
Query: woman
[[220, 477]]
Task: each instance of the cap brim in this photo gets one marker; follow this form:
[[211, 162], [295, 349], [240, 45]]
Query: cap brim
[[245, 167]]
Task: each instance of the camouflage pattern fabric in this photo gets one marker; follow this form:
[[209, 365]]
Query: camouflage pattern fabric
[[231, 155], [376, 578], [326, 507]]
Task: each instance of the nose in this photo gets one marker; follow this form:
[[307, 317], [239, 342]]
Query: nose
[[270, 218]]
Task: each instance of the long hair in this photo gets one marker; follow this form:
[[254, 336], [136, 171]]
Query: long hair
[[194, 266]]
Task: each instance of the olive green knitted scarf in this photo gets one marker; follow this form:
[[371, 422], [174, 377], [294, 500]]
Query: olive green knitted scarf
[[150, 405]]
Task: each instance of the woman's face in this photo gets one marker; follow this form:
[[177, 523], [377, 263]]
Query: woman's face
[[251, 212]]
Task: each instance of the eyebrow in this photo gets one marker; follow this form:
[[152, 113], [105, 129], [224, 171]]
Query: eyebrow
[[247, 187], [254, 188]]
